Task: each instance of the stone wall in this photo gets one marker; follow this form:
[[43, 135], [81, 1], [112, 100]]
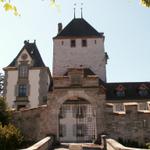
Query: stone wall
[[42, 121], [125, 120], [30, 121], [132, 124]]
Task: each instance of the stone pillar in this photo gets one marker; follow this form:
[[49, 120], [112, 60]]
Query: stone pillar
[[104, 144]]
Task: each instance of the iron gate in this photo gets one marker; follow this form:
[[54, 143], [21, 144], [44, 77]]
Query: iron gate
[[77, 121]]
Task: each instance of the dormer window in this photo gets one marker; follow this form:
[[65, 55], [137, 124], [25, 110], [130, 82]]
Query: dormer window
[[73, 43], [120, 91], [143, 90], [84, 43], [23, 71]]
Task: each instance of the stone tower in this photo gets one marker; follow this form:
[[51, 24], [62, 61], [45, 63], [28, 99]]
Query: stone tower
[[79, 45], [79, 72]]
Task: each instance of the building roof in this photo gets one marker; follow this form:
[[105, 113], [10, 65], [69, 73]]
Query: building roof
[[34, 54], [131, 90], [79, 27]]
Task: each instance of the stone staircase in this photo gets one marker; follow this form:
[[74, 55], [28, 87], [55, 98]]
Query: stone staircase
[[79, 146]]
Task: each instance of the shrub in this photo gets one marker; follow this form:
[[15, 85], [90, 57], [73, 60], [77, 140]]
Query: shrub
[[10, 137], [148, 145], [4, 114]]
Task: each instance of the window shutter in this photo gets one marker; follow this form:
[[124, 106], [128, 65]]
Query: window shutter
[[16, 90], [28, 89]]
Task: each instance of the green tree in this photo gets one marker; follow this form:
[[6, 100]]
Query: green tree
[[4, 114], [10, 137], [145, 3], [1, 84], [9, 6]]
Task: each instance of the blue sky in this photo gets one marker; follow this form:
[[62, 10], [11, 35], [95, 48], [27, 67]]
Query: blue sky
[[125, 23]]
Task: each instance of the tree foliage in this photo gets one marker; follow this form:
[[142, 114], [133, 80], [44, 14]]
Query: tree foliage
[[9, 6], [145, 3], [4, 114], [1, 84], [10, 137]]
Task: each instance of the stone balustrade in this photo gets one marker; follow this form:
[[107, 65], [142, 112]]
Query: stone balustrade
[[114, 145], [43, 144]]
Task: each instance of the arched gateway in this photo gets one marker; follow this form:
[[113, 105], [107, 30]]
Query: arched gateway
[[77, 121]]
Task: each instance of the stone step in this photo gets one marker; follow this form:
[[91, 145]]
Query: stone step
[[75, 147], [84, 147], [91, 148], [79, 146]]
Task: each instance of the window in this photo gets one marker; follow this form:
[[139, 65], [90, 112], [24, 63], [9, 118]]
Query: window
[[84, 43], [120, 91], [73, 43], [23, 71], [143, 90], [22, 90]]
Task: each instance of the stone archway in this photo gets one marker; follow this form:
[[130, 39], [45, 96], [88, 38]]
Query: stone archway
[[77, 121]]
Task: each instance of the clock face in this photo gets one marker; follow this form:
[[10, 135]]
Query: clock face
[[24, 56]]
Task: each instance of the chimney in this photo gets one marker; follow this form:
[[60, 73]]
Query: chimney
[[59, 27]]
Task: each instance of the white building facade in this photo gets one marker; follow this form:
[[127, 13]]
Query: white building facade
[[27, 79], [79, 45]]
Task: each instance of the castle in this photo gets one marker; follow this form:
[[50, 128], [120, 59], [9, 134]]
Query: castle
[[76, 103]]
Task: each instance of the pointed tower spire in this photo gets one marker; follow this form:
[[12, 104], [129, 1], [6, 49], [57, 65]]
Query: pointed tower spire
[[81, 10], [74, 10]]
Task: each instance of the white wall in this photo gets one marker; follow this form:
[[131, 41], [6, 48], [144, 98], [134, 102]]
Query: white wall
[[34, 88], [92, 56], [11, 85]]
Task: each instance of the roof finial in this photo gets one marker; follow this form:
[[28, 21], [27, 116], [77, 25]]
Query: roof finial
[[74, 10], [81, 10]]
